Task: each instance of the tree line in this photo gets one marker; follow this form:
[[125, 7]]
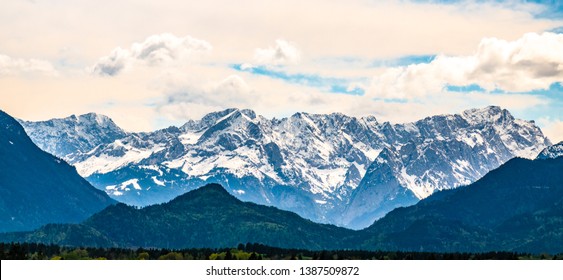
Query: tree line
[[249, 251]]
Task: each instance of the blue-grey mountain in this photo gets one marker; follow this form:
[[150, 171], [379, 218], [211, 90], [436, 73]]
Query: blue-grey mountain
[[37, 188]]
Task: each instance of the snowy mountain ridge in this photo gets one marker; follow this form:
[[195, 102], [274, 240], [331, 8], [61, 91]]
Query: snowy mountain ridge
[[329, 168], [553, 151]]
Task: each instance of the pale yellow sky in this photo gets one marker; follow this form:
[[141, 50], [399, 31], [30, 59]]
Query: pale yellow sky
[[49, 48]]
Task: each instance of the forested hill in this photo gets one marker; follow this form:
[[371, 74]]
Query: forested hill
[[208, 217], [517, 207]]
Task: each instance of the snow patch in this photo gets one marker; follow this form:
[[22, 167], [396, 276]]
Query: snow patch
[[372, 154], [134, 182], [421, 191], [327, 180], [158, 182], [463, 164], [152, 167], [104, 163], [190, 138], [123, 186], [528, 152]]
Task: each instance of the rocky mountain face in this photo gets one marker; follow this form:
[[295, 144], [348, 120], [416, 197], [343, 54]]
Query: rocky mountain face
[[37, 188], [329, 168]]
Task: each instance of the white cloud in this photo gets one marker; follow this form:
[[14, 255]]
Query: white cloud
[[191, 99], [532, 62], [156, 50], [17, 66], [111, 65], [182, 111], [283, 53]]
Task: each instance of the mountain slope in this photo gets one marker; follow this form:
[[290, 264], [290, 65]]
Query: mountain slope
[[37, 188], [208, 217], [323, 167], [517, 207]]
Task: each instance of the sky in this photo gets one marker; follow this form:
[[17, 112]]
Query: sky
[[152, 64]]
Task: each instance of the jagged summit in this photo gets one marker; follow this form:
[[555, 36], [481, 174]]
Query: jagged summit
[[213, 118], [97, 119], [66, 137]]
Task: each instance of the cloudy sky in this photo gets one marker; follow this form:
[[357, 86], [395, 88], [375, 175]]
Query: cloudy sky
[[151, 64]]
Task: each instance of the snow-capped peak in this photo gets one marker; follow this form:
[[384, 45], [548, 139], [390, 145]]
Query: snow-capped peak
[[70, 136], [216, 117], [480, 115], [97, 118]]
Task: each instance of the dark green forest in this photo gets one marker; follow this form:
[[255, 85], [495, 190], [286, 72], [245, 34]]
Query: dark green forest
[[35, 251], [517, 207], [206, 217]]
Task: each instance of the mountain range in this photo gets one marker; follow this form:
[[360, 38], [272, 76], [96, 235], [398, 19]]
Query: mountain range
[[37, 188], [516, 207], [330, 168]]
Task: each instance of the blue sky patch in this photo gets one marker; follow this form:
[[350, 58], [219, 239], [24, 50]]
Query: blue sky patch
[[403, 61], [553, 8], [466, 88], [555, 91], [393, 100], [558, 30], [327, 84]]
